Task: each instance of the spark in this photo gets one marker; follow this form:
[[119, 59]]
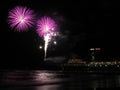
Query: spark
[[40, 47], [55, 42]]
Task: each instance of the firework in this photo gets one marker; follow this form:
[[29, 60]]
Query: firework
[[21, 18], [46, 27]]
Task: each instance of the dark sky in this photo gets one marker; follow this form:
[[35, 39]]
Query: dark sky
[[83, 24]]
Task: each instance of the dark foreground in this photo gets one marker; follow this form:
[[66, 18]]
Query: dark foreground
[[56, 80]]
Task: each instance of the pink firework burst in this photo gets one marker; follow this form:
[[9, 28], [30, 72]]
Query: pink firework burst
[[46, 25], [21, 18]]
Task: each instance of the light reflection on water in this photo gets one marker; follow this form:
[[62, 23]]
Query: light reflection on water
[[48, 87], [55, 80]]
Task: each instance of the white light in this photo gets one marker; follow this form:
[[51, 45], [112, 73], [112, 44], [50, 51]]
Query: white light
[[55, 34], [55, 42], [92, 49], [40, 47]]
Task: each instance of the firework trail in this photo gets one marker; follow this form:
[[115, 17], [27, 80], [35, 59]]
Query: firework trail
[[46, 27], [21, 18]]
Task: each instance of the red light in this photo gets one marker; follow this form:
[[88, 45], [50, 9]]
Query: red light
[[97, 48]]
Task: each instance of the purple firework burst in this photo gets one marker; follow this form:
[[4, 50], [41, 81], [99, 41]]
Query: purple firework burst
[[46, 25], [21, 18]]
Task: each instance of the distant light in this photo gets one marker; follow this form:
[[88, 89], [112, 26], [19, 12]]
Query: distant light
[[55, 42], [40, 47], [105, 65], [97, 48], [92, 49]]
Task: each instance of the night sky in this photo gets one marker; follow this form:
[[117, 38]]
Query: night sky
[[82, 24]]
